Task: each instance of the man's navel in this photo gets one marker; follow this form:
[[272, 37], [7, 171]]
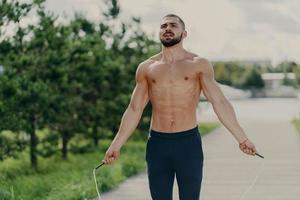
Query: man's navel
[[172, 122]]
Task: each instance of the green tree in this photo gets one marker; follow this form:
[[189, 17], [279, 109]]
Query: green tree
[[65, 78], [252, 79]]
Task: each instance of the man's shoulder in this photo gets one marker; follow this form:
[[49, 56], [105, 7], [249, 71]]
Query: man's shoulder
[[143, 66], [201, 63], [145, 63], [200, 60]]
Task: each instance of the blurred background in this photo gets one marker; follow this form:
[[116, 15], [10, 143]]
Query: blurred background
[[67, 72]]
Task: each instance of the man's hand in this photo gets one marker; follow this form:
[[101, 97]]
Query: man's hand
[[111, 154], [247, 147]]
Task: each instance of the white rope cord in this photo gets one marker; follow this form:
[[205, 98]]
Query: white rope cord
[[253, 182], [94, 172]]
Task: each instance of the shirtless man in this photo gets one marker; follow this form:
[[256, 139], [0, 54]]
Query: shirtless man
[[172, 80]]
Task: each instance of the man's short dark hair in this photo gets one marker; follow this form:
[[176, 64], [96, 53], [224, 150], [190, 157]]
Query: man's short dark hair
[[176, 16]]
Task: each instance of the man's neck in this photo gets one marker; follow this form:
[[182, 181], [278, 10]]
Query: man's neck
[[173, 54]]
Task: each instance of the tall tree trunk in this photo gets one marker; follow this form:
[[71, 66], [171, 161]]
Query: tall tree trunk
[[65, 140], [95, 135], [33, 144]]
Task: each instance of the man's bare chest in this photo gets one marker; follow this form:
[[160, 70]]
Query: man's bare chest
[[166, 74]]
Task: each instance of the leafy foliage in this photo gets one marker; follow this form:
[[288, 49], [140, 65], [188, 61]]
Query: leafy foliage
[[69, 79]]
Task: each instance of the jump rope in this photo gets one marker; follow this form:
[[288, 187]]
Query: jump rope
[[257, 175], [242, 197], [94, 172], [244, 194]]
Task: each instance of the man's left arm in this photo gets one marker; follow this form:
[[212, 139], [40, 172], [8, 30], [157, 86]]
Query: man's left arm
[[222, 106]]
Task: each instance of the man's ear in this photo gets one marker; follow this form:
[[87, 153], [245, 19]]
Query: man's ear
[[184, 34]]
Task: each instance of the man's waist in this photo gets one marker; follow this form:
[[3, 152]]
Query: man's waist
[[173, 134]]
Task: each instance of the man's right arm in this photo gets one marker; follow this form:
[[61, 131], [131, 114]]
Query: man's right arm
[[134, 111]]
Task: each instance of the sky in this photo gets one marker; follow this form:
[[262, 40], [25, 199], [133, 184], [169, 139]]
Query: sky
[[217, 29]]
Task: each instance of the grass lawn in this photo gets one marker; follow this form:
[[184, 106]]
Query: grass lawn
[[296, 123], [207, 127], [57, 179]]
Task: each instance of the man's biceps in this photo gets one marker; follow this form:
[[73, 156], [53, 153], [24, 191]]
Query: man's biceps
[[139, 97], [212, 90], [208, 84], [142, 88]]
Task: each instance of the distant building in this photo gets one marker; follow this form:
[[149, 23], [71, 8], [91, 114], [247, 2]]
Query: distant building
[[274, 80]]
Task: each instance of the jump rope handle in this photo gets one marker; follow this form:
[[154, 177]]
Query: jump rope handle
[[100, 165], [242, 143], [259, 155]]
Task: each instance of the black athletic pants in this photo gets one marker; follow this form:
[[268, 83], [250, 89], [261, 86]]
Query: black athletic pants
[[170, 154]]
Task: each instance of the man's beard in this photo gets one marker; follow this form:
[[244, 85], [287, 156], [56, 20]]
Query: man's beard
[[171, 42]]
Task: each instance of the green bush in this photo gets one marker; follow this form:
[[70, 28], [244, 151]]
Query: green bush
[[252, 79], [296, 123], [80, 144], [11, 143], [70, 179], [48, 142]]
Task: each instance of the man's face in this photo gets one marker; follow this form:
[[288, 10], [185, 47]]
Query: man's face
[[171, 31]]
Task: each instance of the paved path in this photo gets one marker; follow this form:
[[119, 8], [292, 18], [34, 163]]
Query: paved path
[[231, 175]]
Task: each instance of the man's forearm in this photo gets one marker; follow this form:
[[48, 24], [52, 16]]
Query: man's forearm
[[226, 115], [129, 122]]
